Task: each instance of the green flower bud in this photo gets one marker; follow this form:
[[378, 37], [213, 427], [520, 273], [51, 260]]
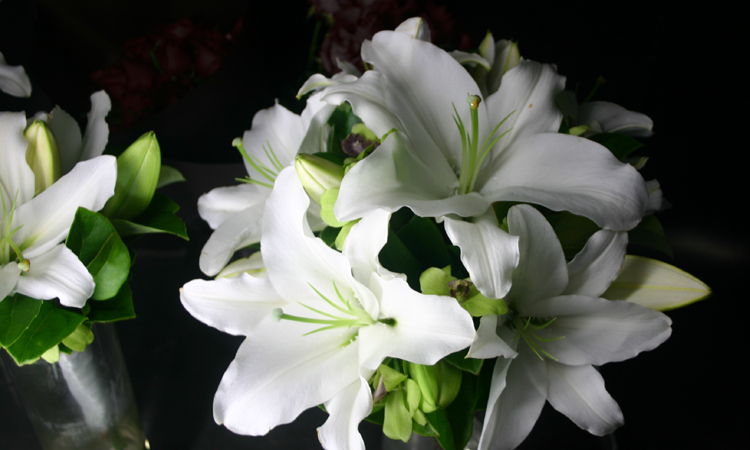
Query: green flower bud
[[42, 155], [137, 175], [438, 383], [317, 175]]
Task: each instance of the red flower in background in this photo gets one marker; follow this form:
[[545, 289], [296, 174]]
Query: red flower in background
[[357, 20], [157, 70]]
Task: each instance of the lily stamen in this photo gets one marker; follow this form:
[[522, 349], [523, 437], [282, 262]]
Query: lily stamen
[[524, 330], [266, 172]]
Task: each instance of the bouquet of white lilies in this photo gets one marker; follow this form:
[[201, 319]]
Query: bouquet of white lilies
[[442, 234]]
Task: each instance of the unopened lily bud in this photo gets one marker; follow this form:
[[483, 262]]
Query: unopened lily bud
[[438, 383], [137, 175], [42, 155], [317, 175]]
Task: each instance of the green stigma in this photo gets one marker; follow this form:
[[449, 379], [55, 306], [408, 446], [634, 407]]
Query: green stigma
[[472, 156]]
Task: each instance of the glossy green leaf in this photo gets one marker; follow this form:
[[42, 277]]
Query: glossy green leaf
[[16, 314], [460, 361], [456, 422], [650, 234], [328, 235], [169, 175], [96, 243], [48, 329], [619, 144], [425, 241], [397, 258], [573, 231], [159, 217], [120, 307]]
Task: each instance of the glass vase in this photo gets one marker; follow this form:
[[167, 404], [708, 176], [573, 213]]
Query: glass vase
[[82, 402], [418, 442]]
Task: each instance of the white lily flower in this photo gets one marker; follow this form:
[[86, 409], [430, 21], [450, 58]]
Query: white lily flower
[[604, 117], [514, 153], [235, 213], [13, 79], [556, 330], [33, 262], [342, 315]]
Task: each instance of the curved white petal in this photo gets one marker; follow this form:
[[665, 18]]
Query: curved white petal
[[367, 97], [597, 265], [655, 284], [97, 129], [415, 28], [57, 273], [364, 243], [13, 79], [346, 410], [221, 203], [278, 373], [655, 197], [238, 231], [427, 328], [232, 305], [46, 219], [278, 128], [68, 136], [527, 98], [424, 83], [505, 53], [564, 172], [487, 342], [597, 331], [579, 393], [252, 265], [517, 396], [9, 274], [296, 260], [615, 119], [16, 177], [488, 253], [541, 271], [315, 120], [392, 177]]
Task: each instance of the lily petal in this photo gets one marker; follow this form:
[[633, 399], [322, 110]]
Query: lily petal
[[364, 243], [597, 331], [597, 265], [517, 395], [427, 327], [13, 79], [275, 127], [97, 129], [346, 410], [58, 273], [564, 172], [221, 203], [541, 272], [264, 387], [487, 343], [615, 119], [233, 305], [9, 274], [488, 253], [16, 177], [238, 231], [68, 135], [46, 219], [579, 393], [415, 28]]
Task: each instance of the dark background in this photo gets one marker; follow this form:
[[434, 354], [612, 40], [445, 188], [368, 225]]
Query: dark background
[[677, 65]]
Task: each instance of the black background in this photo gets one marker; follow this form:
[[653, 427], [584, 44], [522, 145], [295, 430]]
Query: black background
[[677, 65]]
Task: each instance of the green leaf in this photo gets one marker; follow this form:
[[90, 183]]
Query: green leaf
[[80, 338], [158, 217], [327, 200], [168, 175], [460, 361], [398, 421], [425, 241], [16, 314], [395, 257], [96, 243], [619, 144], [391, 377], [478, 305], [328, 235], [48, 329], [650, 234], [456, 423], [572, 231], [120, 307], [434, 281]]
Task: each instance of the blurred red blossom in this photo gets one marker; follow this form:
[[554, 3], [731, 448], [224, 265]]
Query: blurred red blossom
[[159, 69], [357, 20]]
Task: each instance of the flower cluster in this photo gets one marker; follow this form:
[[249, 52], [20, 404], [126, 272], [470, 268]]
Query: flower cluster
[[159, 69], [438, 217]]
